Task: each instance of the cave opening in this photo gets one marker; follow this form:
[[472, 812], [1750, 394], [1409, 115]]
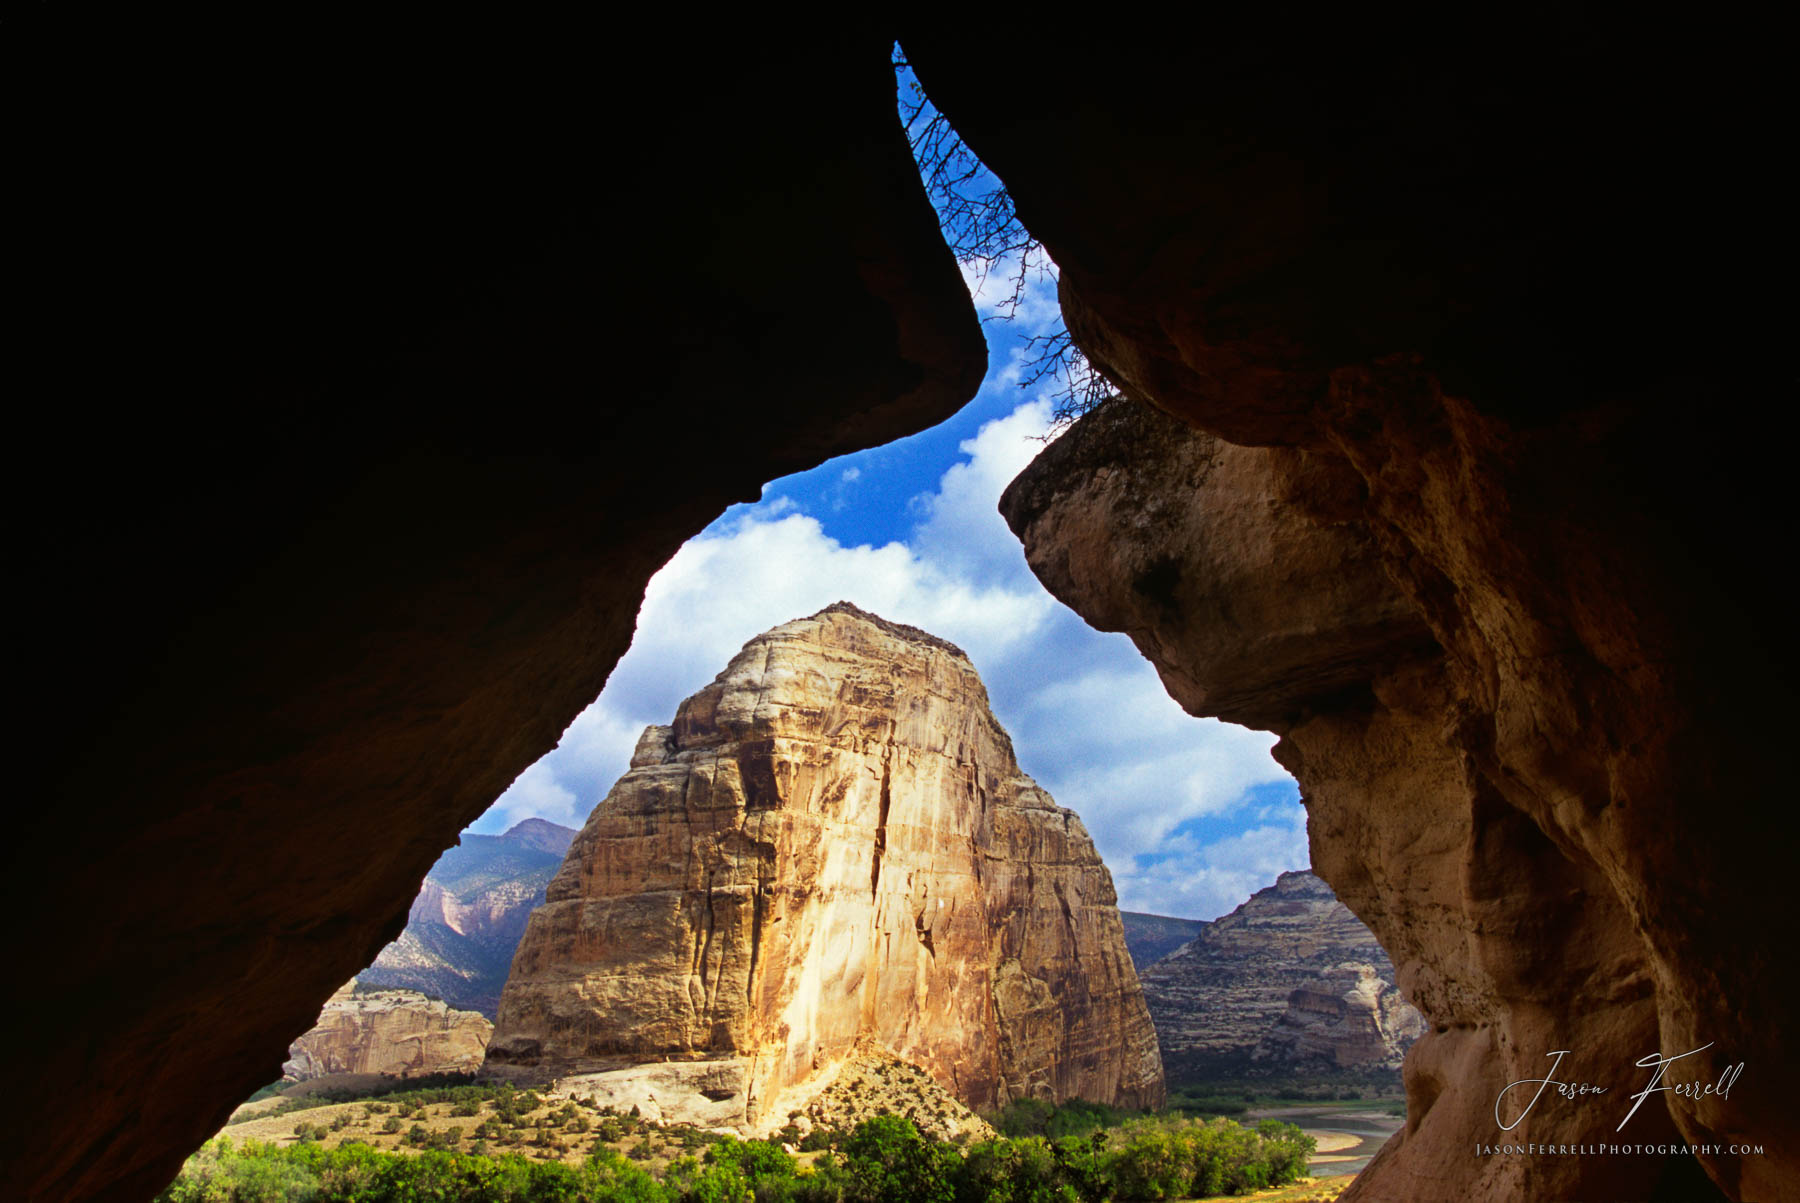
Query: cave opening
[[1462, 322]]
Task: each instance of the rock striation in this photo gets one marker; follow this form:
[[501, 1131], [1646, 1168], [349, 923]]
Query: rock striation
[[1508, 939], [1514, 379], [466, 923], [1289, 981], [394, 1033], [1350, 1016], [832, 848]]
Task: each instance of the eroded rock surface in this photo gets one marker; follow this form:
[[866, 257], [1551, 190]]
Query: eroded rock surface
[[833, 847], [1350, 1016], [1497, 361], [465, 924], [1507, 936], [1289, 981], [395, 1033]]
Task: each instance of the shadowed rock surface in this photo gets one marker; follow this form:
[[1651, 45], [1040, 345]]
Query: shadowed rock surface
[[465, 924], [1279, 985], [394, 1033], [425, 343], [1149, 938], [1478, 340], [832, 848]]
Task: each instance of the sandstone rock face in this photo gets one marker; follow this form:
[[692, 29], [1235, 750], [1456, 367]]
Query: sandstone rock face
[[395, 1033], [1502, 367], [832, 847], [1289, 981], [1349, 1017], [1507, 940], [466, 922]]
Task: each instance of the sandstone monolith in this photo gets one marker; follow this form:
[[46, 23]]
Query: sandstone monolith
[[832, 848]]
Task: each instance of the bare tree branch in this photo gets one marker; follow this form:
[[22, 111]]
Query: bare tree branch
[[982, 230]]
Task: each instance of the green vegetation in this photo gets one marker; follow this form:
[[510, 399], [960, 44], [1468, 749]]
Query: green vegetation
[[438, 1088], [1068, 1154], [1377, 1091]]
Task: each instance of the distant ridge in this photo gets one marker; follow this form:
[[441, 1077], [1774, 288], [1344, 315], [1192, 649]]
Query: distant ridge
[[1150, 938], [542, 835], [471, 910], [1289, 982]]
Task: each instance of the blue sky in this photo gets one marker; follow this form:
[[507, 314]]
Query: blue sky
[[1191, 815]]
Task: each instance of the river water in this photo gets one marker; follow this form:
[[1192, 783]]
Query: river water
[[1347, 1139]]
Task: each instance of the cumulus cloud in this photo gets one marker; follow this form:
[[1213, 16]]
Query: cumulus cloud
[[993, 282], [1178, 807], [1190, 875]]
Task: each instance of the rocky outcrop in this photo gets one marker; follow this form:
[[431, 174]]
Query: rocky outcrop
[[1506, 934], [394, 1033], [1279, 985], [1150, 938], [450, 337], [1349, 1017], [466, 922], [831, 848], [1509, 368]]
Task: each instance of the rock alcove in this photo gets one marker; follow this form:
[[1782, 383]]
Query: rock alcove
[[1468, 324]]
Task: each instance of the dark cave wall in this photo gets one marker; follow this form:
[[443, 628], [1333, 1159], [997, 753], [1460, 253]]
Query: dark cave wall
[[371, 370], [297, 303], [1474, 302]]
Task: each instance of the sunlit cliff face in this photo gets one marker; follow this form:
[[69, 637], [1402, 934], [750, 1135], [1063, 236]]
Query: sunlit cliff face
[[832, 848]]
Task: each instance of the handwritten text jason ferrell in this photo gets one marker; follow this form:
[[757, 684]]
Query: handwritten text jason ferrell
[[1655, 1062]]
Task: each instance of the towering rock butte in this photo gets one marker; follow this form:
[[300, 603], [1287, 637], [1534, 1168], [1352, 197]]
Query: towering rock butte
[[831, 847], [1289, 980], [395, 1033]]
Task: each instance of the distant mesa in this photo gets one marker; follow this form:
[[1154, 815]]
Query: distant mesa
[[465, 924], [1290, 981], [389, 1034], [830, 855]]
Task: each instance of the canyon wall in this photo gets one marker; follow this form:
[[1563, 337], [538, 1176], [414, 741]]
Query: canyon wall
[[1288, 982], [832, 846], [395, 1033], [466, 922], [1511, 944], [1472, 316], [389, 317]]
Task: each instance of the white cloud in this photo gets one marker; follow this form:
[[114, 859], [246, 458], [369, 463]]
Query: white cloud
[[993, 282], [1088, 717], [538, 793], [1204, 880]]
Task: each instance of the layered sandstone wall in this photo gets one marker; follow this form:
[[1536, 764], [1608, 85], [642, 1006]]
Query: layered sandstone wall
[[1289, 981], [395, 1033], [833, 846], [1510, 939], [1509, 366]]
